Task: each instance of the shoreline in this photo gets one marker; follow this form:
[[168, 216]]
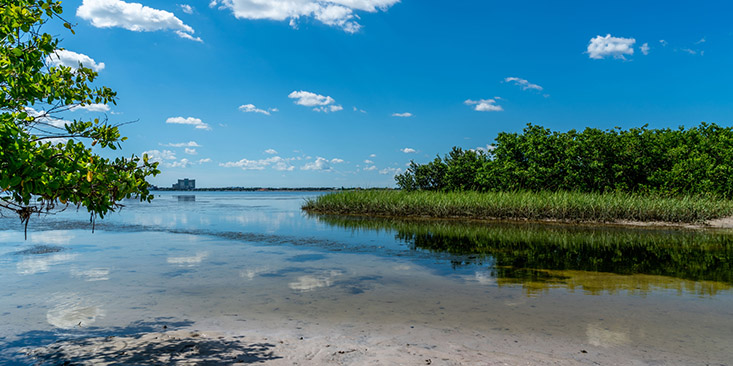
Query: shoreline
[[724, 223]]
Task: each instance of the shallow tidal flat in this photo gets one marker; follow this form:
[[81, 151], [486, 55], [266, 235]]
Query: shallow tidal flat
[[239, 278]]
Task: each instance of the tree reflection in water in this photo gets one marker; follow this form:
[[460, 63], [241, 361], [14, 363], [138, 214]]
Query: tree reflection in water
[[596, 259]]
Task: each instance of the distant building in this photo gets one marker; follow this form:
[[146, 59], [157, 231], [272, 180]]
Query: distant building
[[185, 184]]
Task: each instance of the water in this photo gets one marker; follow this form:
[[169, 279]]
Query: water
[[253, 262]]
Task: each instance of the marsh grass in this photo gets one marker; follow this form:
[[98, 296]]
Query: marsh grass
[[561, 206]]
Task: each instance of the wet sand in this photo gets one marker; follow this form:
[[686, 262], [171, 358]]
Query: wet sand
[[367, 345]]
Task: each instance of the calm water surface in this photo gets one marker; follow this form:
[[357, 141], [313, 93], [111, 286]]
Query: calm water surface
[[221, 259]]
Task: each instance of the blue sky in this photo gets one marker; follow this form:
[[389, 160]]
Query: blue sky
[[346, 92]]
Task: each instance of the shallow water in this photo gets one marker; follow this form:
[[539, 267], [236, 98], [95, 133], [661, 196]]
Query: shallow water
[[230, 260]]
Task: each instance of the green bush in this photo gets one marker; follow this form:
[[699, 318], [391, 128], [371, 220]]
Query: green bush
[[664, 162]]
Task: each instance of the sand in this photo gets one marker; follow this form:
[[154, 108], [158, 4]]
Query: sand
[[314, 345]]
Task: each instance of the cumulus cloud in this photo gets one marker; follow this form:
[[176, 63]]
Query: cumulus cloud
[[319, 164], [309, 99], [484, 105], [602, 47], [367, 161], [168, 158], [271, 151], [485, 149], [370, 168], [372, 155], [393, 171], [337, 161], [320, 103], [43, 118], [182, 144], [523, 83], [183, 163], [188, 9], [73, 59], [189, 121], [408, 150], [158, 156], [275, 162], [644, 49], [132, 16], [190, 151], [250, 108], [335, 13], [404, 115], [96, 107]]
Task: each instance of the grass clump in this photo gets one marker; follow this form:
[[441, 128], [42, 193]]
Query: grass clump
[[523, 205]]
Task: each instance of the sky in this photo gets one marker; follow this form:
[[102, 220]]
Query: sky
[[332, 93]]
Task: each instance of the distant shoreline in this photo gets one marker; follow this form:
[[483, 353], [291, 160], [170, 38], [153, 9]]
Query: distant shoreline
[[265, 189]]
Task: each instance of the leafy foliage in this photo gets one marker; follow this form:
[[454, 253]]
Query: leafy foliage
[[667, 162], [44, 160]]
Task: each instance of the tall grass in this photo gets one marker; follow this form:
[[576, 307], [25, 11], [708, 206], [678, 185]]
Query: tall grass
[[562, 206]]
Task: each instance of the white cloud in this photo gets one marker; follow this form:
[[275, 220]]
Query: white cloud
[[601, 47], [160, 156], [663, 43], [189, 121], [393, 171], [368, 161], [408, 150], [96, 107], [690, 51], [372, 155], [526, 85], [73, 59], [321, 103], [132, 16], [188, 9], [330, 108], [485, 149], [336, 13], [370, 168], [42, 117], [271, 151], [182, 144], [183, 163], [251, 108], [359, 110], [168, 158], [190, 151], [319, 164], [275, 162], [309, 99], [337, 161], [485, 105], [644, 49], [702, 40], [404, 115]]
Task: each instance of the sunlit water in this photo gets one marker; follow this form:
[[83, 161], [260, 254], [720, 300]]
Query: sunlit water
[[226, 260]]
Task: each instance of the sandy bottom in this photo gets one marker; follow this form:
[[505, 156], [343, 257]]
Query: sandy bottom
[[211, 348], [311, 344]]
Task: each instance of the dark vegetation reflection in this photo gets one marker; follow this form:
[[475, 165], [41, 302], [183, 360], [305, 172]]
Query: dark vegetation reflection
[[545, 253]]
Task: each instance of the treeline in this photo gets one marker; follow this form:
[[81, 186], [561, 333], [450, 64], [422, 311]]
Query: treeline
[[696, 161]]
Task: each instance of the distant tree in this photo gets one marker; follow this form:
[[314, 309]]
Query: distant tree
[[46, 162]]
